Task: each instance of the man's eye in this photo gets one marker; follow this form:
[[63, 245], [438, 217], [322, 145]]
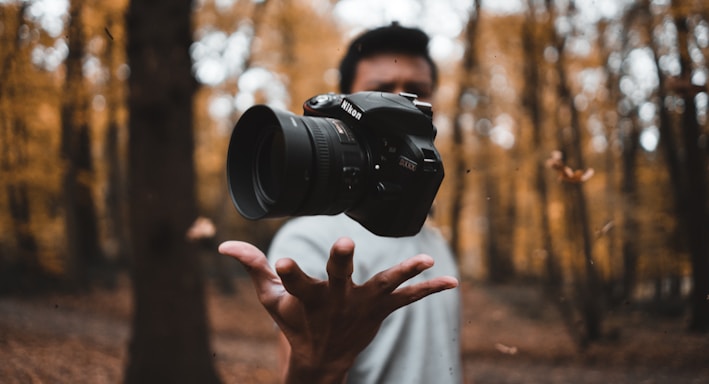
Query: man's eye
[[384, 89]]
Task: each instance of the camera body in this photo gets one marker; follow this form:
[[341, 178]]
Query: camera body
[[368, 154]]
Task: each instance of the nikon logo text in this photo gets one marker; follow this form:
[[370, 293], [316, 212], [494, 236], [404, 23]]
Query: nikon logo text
[[347, 107]]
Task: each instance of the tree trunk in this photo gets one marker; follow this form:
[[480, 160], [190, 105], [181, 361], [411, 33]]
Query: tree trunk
[[170, 342], [695, 215], [115, 198], [578, 218], [460, 170], [80, 215], [553, 286], [499, 214], [19, 208], [14, 141], [630, 208]]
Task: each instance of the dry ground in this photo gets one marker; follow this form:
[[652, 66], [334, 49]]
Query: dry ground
[[510, 336]]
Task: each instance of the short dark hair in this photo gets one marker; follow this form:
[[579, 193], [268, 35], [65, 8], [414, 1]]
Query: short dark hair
[[392, 38]]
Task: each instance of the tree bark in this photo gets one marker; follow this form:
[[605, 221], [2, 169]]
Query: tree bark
[[576, 206], [460, 170], [14, 141], [115, 198], [170, 342], [553, 286], [695, 213], [80, 212]]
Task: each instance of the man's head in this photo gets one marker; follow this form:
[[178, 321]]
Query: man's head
[[389, 59]]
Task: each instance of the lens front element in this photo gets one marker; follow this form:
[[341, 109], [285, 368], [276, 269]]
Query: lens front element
[[270, 166]]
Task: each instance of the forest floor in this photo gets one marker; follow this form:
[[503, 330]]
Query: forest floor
[[510, 336]]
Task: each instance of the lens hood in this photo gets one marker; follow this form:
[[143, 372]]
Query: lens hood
[[267, 152]]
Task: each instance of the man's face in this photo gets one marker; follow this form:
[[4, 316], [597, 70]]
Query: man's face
[[392, 72]]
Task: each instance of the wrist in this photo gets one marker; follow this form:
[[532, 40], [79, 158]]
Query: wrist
[[300, 372]]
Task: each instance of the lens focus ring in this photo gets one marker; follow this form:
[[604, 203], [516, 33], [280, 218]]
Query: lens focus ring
[[318, 130]]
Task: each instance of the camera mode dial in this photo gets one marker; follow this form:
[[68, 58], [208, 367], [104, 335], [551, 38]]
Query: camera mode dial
[[324, 101]]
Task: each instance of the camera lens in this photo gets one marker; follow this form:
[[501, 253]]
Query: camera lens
[[280, 164], [269, 166]]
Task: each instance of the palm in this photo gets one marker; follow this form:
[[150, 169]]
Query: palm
[[329, 322]]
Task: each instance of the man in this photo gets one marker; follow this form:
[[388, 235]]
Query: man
[[335, 314]]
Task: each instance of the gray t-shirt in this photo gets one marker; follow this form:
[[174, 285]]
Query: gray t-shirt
[[419, 343]]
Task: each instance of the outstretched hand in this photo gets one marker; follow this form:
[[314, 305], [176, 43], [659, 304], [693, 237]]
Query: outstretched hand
[[329, 322]]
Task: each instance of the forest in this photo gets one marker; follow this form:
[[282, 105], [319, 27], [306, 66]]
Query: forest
[[575, 140]]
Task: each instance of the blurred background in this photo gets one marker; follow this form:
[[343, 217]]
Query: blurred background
[[574, 135]]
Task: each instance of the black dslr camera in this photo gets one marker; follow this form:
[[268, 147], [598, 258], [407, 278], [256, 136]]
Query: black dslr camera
[[368, 154]]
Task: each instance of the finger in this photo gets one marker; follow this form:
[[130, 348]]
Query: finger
[[295, 281], [340, 265], [388, 280], [254, 261], [412, 293]]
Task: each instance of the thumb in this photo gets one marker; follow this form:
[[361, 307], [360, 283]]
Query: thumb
[[255, 263]]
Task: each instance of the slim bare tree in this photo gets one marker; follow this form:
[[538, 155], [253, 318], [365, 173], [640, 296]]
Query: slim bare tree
[[460, 169], [694, 212], [587, 283], [14, 140], [115, 197], [537, 34], [80, 212]]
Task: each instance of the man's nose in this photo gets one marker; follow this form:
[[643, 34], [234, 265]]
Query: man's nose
[[399, 89]]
